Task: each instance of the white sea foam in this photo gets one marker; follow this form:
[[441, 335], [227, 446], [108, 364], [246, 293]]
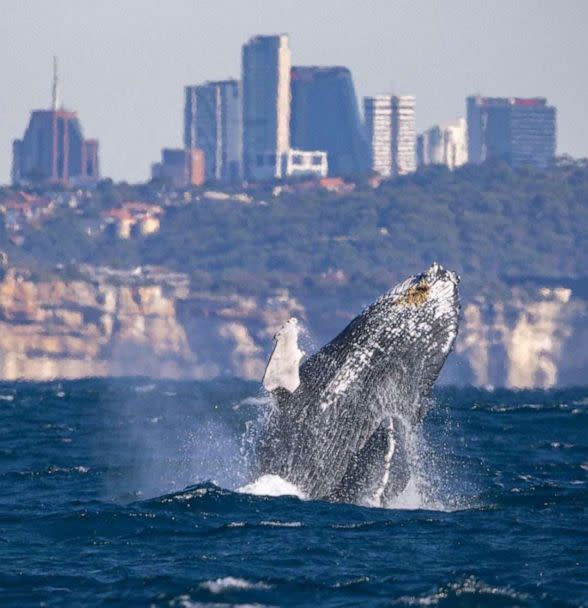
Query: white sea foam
[[282, 524], [185, 601], [271, 485], [230, 582], [469, 587], [144, 388]]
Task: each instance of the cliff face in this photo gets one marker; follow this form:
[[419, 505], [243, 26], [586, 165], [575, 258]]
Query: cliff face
[[233, 335], [532, 338], [59, 329], [70, 330], [535, 339]]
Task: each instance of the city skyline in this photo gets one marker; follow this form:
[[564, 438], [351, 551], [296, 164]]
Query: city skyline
[[128, 148]]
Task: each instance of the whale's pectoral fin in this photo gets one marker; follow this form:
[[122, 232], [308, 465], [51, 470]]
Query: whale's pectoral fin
[[282, 370], [378, 471]]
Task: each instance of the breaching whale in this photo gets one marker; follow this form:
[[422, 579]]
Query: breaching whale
[[338, 422]]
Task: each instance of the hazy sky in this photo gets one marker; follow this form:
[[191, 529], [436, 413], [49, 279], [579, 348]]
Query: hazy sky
[[123, 63]]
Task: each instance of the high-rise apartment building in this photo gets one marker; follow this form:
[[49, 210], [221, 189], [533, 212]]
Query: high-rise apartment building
[[522, 132], [266, 64], [325, 116], [403, 135], [53, 149], [391, 133], [190, 117], [445, 144], [378, 124], [212, 123]]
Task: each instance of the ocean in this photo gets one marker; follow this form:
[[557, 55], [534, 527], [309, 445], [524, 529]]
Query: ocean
[[126, 493]]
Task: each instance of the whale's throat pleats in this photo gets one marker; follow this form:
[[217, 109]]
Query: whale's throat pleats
[[378, 470]]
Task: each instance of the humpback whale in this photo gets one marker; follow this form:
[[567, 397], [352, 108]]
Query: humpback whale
[[338, 422]]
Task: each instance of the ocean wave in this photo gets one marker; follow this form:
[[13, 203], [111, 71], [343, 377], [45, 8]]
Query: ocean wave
[[463, 593], [185, 601], [230, 583]]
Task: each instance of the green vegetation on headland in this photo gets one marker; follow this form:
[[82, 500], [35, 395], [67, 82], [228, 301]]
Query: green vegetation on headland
[[490, 223]]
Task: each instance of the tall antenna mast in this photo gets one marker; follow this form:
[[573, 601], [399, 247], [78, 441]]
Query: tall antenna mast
[[55, 96]]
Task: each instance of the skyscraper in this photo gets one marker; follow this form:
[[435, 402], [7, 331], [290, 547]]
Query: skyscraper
[[522, 132], [391, 133], [190, 117], [325, 116], [445, 144], [378, 125], [53, 149], [266, 105], [212, 123], [403, 135]]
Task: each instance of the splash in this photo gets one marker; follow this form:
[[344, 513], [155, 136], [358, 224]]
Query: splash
[[433, 484], [272, 485], [193, 443]]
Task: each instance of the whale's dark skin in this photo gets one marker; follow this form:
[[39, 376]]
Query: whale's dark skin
[[340, 433]]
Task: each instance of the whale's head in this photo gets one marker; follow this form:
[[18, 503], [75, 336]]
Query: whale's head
[[418, 322], [434, 292]]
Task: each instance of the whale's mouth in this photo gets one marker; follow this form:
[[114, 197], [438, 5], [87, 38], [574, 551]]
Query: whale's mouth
[[436, 272]]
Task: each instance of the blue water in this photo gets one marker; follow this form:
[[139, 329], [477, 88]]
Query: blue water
[[123, 493]]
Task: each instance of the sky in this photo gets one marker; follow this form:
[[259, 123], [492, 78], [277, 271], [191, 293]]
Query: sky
[[123, 64]]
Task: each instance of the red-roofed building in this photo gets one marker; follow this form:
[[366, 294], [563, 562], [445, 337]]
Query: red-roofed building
[[134, 217], [23, 208], [336, 184]]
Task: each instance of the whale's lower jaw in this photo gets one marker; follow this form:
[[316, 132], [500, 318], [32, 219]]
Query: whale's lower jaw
[[340, 433]]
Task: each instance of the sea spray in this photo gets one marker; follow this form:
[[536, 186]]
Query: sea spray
[[174, 439]]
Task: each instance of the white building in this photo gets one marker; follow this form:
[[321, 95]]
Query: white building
[[391, 133], [303, 162], [266, 64], [445, 144], [403, 135], [378, 123]]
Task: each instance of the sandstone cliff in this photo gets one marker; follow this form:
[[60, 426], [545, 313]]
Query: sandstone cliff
[[534, 337], [75, 329], [59, 329]]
